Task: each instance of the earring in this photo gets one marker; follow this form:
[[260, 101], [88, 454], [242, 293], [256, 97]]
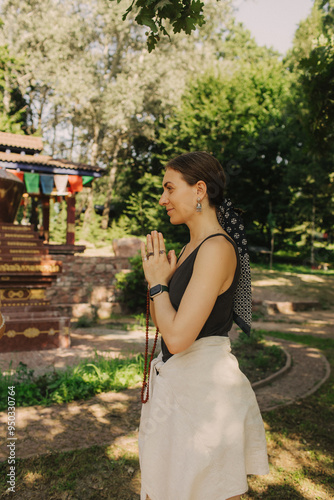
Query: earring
[[198, 206]]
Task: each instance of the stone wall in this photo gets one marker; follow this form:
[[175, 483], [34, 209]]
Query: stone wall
[[87, 284]]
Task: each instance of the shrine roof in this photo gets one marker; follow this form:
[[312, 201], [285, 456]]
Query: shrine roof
[[47, 165], [21, 142]]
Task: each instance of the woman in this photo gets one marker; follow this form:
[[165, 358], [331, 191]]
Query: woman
[[201, 431]]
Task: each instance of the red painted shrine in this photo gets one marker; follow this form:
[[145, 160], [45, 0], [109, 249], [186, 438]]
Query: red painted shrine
[[26, 268]]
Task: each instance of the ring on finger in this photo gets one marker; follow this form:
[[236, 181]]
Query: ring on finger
[[162, 251], [150, 253]]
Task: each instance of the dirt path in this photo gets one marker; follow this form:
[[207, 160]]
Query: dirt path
[[113, 418]]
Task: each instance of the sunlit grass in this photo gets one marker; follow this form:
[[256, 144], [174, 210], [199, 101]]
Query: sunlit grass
[[293, 269], [83, 381], [300, 446]]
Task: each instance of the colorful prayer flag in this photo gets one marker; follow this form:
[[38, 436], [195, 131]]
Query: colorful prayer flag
[[19, 175], [61, 184], [86, 179], [75, 182], [47, 183], [31, 182]]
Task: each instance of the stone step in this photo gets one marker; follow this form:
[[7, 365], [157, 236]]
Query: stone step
[[19, 313], [102, 309], [45, 266], [20, 243], [26, 251], [7, 226], [11, 236], [35, 332], [285, 307]]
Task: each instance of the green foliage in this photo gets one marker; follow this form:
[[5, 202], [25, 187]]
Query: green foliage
[[256, 359], [84, 322], [240, 117], [310, 175], [133, 286], [239, 46], [85, 380], [12, 103], [269, 123], [142, 207], [94, 234], [141, 319], [317, 76], [182, 15], [294, 268], [58, 221]]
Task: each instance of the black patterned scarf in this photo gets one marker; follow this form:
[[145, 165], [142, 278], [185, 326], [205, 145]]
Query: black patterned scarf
[[232, 223]]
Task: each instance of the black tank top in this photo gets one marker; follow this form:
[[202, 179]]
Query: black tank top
[[221, 317]]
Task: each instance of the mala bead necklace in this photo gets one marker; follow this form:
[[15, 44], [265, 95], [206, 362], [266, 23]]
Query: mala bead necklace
[[147, 370]]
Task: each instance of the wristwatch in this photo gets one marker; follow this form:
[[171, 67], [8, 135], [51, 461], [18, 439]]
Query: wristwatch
[[157, 290]]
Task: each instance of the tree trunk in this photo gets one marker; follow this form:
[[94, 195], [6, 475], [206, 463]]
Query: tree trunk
[[70, 156], [6, 95], [55, 123], [111, 181], [312, 233], [271, 249], [272, 237], [89, 212], [42, 103]]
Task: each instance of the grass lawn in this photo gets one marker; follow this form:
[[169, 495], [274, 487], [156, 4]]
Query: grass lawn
[[97, 375], [293, 283], [300, 441], [300, 446]]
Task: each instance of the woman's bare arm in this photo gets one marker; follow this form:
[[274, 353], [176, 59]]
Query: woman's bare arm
[[214, 265], [152, 311]]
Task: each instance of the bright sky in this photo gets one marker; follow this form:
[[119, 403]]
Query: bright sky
[[273, 22]]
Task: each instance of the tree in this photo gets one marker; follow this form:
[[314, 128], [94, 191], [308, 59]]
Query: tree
[[182, 15], [240, 118], [91, 85], [12, 103], [312, 61], [48, 45]]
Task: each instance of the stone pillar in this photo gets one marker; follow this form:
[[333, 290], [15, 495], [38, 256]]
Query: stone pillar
[[70, 232]]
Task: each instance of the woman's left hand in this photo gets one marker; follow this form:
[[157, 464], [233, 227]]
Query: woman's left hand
[[158, 267]]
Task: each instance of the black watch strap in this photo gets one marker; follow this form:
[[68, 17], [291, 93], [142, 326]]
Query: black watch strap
[[157, 290]]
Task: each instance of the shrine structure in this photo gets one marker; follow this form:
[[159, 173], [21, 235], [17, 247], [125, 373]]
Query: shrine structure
[[26, 268]]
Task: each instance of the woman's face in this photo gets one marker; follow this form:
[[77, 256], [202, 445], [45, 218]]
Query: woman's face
[[179, 198]]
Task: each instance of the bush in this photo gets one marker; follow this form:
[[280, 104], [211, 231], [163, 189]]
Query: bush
[[84, 322], [256, 359], [133, 286]]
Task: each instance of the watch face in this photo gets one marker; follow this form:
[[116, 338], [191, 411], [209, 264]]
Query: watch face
[[154, 290]]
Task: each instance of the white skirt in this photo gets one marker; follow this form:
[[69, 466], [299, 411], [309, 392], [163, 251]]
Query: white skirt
[[201, 431]]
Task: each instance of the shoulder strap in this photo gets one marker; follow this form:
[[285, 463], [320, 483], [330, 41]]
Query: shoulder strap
[[217, 234], [210, 236], [228, 238], [181, 252]]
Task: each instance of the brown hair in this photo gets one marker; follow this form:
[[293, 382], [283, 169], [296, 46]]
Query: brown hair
[[201, 166]]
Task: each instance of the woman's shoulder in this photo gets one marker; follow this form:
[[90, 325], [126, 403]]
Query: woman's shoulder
[[217, 249], [215, 265], [217, 241]]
